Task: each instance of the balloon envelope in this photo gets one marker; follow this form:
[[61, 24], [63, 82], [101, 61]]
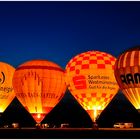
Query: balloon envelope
[[90, 78], [6, 89], [39, 85], [127, 73]]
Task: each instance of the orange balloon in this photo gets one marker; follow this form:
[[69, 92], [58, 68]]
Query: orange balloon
[[127, 73], [39, 85], [90, 78], [6, 89]]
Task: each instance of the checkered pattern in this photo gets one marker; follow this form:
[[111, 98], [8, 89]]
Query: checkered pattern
[[91, 59], [89, 101], [91, 63]]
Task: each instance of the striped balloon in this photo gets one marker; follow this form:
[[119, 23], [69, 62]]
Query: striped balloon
[[127, 73]]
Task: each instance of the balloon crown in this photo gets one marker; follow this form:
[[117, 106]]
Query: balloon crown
[[135, 48]]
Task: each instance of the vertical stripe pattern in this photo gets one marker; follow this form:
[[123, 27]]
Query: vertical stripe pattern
[[127, 73], [128, 59]]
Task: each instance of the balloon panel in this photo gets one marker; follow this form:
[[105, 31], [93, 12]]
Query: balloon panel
[[6, 89], [93, 89], [91, 80], [127, 73], [39, 87]]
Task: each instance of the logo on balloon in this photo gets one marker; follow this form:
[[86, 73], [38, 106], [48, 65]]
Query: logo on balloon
[[80, 82], [2, 78]]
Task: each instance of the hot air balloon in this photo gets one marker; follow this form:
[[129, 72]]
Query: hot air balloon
[[127, 73], [90, 79], [7, 93], [39, 85]]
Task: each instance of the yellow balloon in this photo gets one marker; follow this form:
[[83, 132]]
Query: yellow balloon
[[90, 79], [39, 85], [6, 89], [127, 73]]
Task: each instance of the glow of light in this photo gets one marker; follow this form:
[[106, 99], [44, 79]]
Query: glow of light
[[95, 113], [38, 116], [97, 108]]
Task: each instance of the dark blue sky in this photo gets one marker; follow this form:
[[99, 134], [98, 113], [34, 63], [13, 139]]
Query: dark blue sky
[[57, 31]]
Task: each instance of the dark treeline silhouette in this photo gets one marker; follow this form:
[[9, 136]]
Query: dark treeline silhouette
[[69, 111]]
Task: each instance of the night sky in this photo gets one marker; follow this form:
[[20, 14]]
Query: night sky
[[57, 31]]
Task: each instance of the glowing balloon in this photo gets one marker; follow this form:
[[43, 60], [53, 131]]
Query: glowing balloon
[[6, 89], [39, 85], [90, 78], [127, 73]]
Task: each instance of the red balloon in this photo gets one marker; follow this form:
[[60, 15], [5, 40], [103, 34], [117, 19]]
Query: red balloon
[[127, 73]]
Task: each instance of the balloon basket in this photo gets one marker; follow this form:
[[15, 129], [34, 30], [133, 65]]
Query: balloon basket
[[38, 126], [15, 125], [95, 125]]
